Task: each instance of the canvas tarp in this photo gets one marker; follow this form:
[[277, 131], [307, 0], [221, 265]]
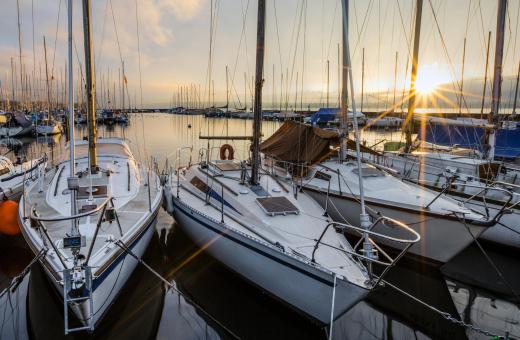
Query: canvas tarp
[[299, 143]]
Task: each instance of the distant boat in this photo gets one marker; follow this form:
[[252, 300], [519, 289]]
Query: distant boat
[[48, 127], [16, 124], [12, 175]]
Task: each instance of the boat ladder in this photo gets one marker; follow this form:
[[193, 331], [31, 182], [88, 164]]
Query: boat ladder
[[77, 293]]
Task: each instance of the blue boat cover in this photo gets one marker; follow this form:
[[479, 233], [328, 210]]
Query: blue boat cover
[[324, 115], [507, 144]]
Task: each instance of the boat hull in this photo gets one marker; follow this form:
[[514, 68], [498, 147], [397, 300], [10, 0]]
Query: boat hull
[[441, 238], [107, 286], [18, 131], [48, 129], [300, 285]]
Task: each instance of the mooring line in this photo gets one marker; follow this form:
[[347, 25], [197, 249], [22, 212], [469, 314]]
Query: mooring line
[[447, 315], [18, 279], [173, 287]]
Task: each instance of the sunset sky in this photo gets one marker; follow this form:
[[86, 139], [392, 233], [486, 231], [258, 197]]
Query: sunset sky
[[301, 35]]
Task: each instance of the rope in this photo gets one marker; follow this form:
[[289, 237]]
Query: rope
[[174, 288], [18, 279], [446, 315], [499, 273]]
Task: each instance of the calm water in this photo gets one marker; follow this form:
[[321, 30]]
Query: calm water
[[217, 304]]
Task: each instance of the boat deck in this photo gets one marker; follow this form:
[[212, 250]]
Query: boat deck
[[120, 179], [297, 231]]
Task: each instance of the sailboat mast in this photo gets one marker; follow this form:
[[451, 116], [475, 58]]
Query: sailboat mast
[[72, 156], [47, 79], [89, 71], [485, 77], [20, 52], [408, 126], [349, 79], [328, 83], [344, 82], [497, 75], [257, 123], [516, 90]]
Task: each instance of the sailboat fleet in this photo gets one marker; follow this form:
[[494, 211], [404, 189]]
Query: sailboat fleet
[[308, 206]]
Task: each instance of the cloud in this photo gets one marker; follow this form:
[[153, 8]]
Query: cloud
[[183, 9]]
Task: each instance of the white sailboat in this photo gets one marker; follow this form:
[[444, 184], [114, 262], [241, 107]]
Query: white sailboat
[[12, 176], [49, 127], [486, 185], [87, 210], [270, 234]]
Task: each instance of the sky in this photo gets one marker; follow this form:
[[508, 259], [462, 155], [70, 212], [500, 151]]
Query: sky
[[173, 46]]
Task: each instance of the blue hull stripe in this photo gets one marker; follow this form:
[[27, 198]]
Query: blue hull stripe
[[99, 280], [256, 250]]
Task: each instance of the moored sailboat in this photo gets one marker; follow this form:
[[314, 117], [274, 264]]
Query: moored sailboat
[[85, 212], [270, 234]]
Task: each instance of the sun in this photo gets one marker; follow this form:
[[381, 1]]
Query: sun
[[429, 78]]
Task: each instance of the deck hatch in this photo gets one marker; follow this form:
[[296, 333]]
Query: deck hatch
[[97, 191], [277, 206]]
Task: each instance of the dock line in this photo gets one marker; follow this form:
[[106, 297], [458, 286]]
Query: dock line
[[173, 287]]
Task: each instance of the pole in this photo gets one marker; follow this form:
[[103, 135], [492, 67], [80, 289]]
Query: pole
[[516, 90], [485, 77], [362, 78], [497, 76], [91, 100], [328, 83], [347, 68], [72, 156], [415, 64], [47, 79], [395, 80], [462, 77], [257, 123], [344, 82], [20, 51]]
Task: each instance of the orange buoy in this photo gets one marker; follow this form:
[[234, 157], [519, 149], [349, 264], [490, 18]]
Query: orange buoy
[[9, 218]]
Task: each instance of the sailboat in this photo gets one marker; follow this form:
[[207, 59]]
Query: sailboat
[[268, 232], [474, 177], [89, 211], [16, 125], [13, 175]]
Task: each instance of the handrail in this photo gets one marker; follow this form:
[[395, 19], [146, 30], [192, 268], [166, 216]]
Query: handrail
[[67, 218], [484, 190], [407, 242]]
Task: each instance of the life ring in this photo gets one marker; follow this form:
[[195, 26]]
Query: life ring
[[230, 152]]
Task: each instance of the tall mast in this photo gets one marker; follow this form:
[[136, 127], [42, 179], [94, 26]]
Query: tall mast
[[227, 90], [12, 81], [461, 98], [344, 82], [89, 71], [20, 52], [497, 75], [72, 156], [328, 83], [47, 80], [257, 123], [362, 78], [395, 79], [348, 79], [415, 65], [485, 77], [516, 89]]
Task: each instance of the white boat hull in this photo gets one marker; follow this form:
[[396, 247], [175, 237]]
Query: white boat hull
[[297, 283], [441, 238], [48, 129], [107, 286]]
